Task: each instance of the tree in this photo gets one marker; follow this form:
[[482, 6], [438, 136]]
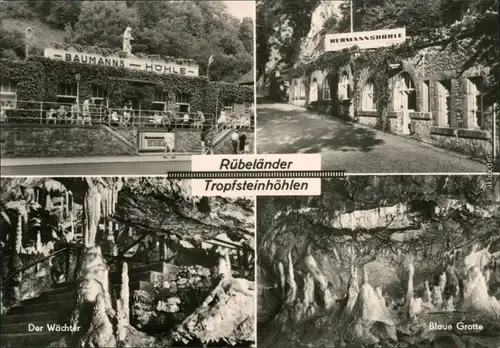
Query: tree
[[246, 34], [102, 23]]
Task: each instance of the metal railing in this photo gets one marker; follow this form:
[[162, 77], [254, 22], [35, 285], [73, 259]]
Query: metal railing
[[40, 112]]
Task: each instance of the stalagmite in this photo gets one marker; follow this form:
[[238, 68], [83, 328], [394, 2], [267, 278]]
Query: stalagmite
[[100, 333], [19, 234], [409, 292], [476, 297], [125, 293], [437, 297], [487, 275], [311, 266], [352, 289], [308, 290], [291, 294], [378, 291], [369, 310], [449, 306], [427, 299], [282, 276], [442, 282]]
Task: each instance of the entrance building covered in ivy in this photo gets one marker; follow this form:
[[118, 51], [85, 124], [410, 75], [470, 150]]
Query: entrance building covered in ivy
[[431, 95], [131, 101]]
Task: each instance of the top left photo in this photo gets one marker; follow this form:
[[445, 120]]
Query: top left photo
[[124, 87]]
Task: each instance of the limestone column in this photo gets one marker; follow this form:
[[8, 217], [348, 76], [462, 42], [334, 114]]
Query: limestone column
[[19, 234], [92, 214]]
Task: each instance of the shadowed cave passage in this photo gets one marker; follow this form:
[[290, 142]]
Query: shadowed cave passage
[[132, 262], [376, 261]]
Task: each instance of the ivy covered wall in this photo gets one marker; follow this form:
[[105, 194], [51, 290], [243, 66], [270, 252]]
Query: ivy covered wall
[[381, 68], [38, 80]]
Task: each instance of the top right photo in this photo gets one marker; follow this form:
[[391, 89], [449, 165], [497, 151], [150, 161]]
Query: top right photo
[[380, 86]]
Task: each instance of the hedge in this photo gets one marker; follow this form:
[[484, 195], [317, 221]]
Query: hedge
[[38, 78]]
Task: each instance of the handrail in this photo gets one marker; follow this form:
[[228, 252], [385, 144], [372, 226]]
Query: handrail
[[33, 264]]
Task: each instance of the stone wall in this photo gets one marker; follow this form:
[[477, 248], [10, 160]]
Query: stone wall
[[187, 140], [60, 141]]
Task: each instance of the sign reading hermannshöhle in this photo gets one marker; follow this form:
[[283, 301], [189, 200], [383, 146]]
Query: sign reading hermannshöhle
[[365, 39], [133, 63]]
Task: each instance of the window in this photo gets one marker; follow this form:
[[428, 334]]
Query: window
[[405, 97], [344, 92], [8, 94], [367, 100], [326, 89], [228, 107], [444, 103], [248, 107], [183, 102], [426, 97], [161, 101], [67, 92], [475, 102], [99, 95]]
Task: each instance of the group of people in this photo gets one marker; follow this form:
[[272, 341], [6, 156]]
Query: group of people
[[226, 120], [240, 143], [71, 115], [169, 119]]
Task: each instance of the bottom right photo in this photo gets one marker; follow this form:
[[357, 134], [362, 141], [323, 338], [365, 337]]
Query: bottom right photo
[[381, 261]]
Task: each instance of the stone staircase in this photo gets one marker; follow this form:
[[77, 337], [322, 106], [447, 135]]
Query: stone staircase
[[55, 305]]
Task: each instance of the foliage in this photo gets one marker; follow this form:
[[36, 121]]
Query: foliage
[[189, 29], [12, 44], [277, 16], [38, 79]]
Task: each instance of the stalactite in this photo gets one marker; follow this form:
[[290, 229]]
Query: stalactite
[[92, 214], [48, 202], [66, 204], [282, 283], [290, 280], [38, 242]]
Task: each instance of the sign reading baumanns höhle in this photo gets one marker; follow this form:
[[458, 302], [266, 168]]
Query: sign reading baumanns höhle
[[365, 39], [133, 63]]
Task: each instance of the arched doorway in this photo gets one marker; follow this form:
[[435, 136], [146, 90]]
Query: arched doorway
[[313, 91], [404, 99]]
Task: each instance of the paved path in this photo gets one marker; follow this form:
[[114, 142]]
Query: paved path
[[284, 128], [120, 165]]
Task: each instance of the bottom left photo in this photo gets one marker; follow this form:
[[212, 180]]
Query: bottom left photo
[[125, 262]]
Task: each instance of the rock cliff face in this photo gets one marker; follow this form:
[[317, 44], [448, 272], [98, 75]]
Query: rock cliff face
[[313, 44]]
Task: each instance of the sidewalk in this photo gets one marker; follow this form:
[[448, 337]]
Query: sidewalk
[[14, 162]]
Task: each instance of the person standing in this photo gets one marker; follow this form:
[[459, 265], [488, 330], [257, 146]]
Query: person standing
[[234, 139], [242, 141], [169, 147]]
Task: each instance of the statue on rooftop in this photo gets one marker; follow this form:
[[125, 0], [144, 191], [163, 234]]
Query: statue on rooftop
[[127, 37]]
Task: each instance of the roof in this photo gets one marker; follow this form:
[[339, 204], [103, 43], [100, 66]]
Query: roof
[[246, 79]]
